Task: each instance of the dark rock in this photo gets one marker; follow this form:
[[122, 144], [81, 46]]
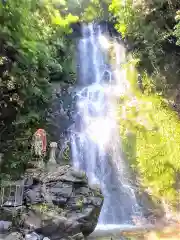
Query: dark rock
[[33, 164], [78, 174], [70, 178], [31, 220], [106, 26], [3, 236], [47, 175], [33, 236], [61, 205], [78, 236], [14, 236], [33, 196], [11, 214], [61, 111], [5, 226], [152, 212], [28, 183], [83, 190], [56, 202], [60, 192]]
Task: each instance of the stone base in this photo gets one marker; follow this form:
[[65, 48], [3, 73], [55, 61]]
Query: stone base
[[59, 203]]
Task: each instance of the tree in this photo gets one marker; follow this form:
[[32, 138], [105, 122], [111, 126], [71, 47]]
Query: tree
[[149, 28], [31, 36]]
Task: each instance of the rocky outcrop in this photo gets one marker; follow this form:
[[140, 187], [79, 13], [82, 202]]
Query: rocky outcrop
[[60, 116], [59, 204], [106, 26]]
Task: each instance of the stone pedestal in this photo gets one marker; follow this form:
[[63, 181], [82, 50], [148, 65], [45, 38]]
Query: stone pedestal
[[52, 157]]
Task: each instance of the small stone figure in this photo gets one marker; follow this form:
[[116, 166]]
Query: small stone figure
[[53, 147], [39, 144]]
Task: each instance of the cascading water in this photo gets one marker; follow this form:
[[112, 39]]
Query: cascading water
[[95, 142]]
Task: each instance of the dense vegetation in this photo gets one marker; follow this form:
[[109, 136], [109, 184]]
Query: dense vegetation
[[151, 129], [150, 132], [35, 50], [152, 30]]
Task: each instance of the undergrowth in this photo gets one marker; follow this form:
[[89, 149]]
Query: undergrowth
[[150, 133]]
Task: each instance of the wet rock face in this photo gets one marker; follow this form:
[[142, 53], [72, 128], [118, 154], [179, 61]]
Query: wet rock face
[[59, 203], [106, 26], [60, 114]]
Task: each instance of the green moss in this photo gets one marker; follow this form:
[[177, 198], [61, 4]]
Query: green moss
[[150, 133], [80, 202], [44, 208], [66, 154]]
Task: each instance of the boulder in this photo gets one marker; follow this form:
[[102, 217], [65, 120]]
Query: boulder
[[60, 203], [33, 236], [5, 226], [14, 236]]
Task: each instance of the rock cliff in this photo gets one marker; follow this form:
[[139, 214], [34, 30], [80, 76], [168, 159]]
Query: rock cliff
[[57, 203]]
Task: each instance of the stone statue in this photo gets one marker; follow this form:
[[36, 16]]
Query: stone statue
[[52, 157], [39, 145]]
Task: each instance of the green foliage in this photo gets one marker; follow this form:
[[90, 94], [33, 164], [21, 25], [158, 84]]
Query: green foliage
[[151, 130], [151, 139], [177, 27], [32, 36], [89, 10], [149, 28], [96, 10], [66, 154]]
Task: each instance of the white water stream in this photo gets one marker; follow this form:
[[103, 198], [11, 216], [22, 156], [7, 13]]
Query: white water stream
[[95, 141]]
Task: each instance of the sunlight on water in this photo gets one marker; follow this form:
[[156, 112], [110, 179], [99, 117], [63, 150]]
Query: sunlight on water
[[113, 226], [95, 141], [99, 130], [104, 42]]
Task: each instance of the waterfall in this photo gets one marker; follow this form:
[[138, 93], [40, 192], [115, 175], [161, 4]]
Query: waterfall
[[95, 141]]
